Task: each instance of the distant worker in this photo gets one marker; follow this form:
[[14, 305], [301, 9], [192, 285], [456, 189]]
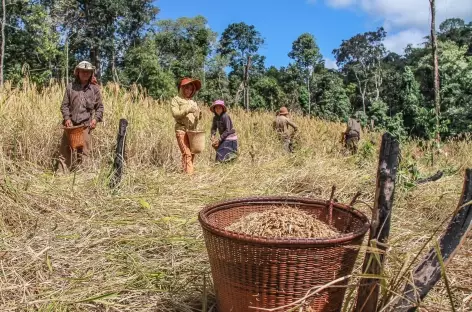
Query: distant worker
[[186, 114], [352, 134], [281, 125], [227, 144], [82, 105]]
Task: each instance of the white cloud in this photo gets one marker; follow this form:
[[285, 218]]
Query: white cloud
[[415, 13], [330, 63], [407, 21], [398, 42], [408, 13]]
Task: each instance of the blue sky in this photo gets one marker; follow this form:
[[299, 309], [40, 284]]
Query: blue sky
[[330, 21]]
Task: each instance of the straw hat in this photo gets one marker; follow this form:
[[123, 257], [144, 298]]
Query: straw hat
[[195, 82], [84, 65], [218, 103], [283, 111]]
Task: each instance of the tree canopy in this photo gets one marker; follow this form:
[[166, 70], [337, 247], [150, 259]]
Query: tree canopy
[[129, 45]]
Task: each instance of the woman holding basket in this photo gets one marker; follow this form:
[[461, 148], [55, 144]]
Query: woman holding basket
[[186, 114]]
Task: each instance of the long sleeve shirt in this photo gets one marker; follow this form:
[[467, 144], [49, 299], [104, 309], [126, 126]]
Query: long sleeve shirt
[[282, 124], [184, 119], [82, 104], [224, 125]]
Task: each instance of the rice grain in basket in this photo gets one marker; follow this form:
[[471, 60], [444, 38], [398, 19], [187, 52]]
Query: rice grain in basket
[[283, 222]]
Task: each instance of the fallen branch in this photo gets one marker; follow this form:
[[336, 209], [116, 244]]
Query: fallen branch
[[438, 175], [428, 272]]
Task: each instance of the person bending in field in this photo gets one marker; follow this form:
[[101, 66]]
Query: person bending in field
[[281, 125], [227, 145], [352, 134], [186, 114], [82, 105]]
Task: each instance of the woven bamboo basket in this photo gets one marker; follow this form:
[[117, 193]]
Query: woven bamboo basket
[[75, 136], [252, 272], [197, 141]]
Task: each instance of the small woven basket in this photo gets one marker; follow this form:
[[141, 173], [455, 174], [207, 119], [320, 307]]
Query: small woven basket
[[75, 136], [197, 141], [252, 272]]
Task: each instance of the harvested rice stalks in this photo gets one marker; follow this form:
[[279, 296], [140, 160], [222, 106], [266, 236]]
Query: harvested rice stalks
[[283, 222]]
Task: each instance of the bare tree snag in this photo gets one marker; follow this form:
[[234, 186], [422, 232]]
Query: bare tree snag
[[2, 53], [434, 46], [119, 154], [246, 83], [380, 228], [428, 272]]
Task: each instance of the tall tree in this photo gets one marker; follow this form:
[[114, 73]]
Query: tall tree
[[361, 56], [99, 29], [31, 42], [307, 56], [332, 100], [434, 50], [184, 44], [2, 51], [240, 41]]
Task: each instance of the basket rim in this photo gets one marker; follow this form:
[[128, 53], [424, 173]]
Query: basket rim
[[293, 242], [74, 127]]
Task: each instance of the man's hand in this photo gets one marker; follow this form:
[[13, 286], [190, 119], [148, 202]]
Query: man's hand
[[68, 123], [93, 124]]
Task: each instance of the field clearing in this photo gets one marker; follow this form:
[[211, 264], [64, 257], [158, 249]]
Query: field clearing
[[69, 243]]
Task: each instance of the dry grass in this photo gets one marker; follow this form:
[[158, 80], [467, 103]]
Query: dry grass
[[283, 222], [68, 243]]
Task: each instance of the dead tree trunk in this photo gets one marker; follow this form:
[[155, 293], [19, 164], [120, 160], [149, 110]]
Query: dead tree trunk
[[428, 272], [380, 228], [119, 154], [246, 83], [2, 56], [434, 46]]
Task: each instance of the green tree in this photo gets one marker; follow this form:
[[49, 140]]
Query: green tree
[[455, 70], [270, 91], [31, 44], [216, 81], [142, 67], [308, 58], [184, 44], [239, 41], [361, 56], [99, 30], [332, 100]]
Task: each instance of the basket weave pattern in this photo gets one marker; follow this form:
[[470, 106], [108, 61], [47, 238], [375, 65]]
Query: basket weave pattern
[[268, 273], [197, 141], [75, 137]]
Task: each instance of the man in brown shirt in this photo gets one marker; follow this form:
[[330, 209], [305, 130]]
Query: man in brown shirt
[[82, 105], [352, 134], [281, 125]]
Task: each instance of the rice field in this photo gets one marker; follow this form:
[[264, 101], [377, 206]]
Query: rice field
[[70, 243]]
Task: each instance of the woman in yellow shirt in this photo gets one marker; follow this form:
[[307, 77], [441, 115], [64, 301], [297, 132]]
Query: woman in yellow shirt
[[186, 114]]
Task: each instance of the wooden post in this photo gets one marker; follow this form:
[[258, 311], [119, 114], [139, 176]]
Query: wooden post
[[119, 154], [428, 272], [368, 293], [434, 46]]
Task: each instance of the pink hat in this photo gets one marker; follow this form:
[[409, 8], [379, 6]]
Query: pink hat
[[216, 103]]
